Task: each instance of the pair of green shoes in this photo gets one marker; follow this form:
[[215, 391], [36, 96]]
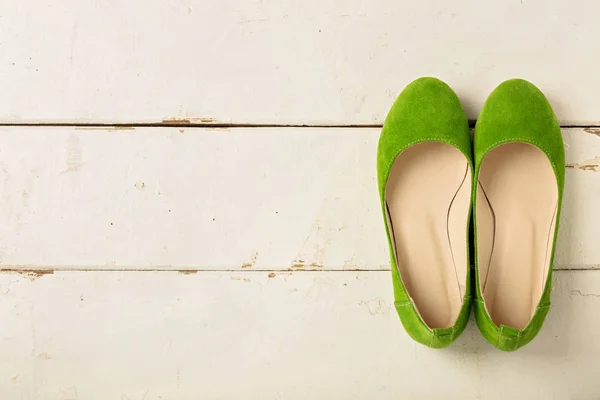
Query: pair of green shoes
[[509, 179]]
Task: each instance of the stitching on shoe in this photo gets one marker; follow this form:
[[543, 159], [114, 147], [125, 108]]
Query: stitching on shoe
[[519, 334], [498, 338]]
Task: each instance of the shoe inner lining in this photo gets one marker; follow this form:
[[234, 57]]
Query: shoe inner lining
[[428, 200], [516, 206]]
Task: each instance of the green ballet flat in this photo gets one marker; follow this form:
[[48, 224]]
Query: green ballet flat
[[517, 193], [424, 166]]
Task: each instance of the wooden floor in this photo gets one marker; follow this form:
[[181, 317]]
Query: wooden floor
[[188, 201]]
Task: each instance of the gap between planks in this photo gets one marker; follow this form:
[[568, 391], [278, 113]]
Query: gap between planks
[[212, 123], [40, 271]]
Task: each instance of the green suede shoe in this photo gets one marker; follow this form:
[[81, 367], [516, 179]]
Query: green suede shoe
[[519, 177], [424, 166]]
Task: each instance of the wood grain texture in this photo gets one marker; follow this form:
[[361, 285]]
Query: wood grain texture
[[223, 199], [224, 335], [283, 61]]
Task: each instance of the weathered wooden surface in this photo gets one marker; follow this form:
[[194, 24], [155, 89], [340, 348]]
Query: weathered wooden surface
[[227, 335], [284, 61], [223, 199], [155, 263]]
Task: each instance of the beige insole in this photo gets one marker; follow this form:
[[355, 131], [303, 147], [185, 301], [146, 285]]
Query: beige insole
[[517, 200], [428, 201]]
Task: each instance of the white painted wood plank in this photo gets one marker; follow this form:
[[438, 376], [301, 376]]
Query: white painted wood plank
[[318, 335], [262, 198], [283, 61], [579, 221]]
